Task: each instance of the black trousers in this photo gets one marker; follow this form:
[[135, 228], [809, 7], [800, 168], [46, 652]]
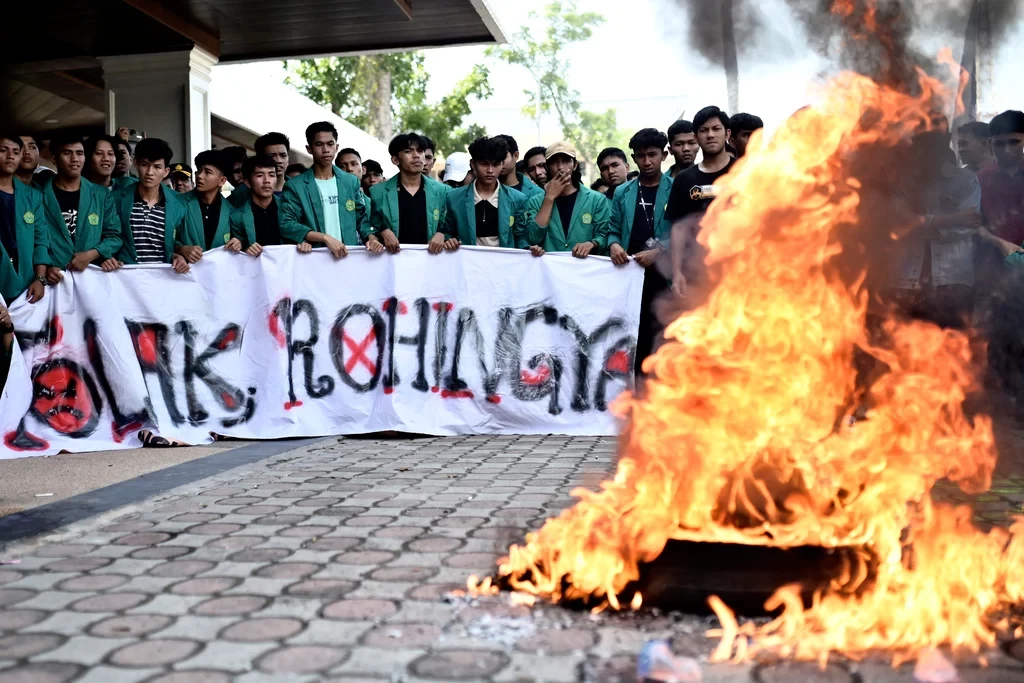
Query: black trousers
[[649, 336]]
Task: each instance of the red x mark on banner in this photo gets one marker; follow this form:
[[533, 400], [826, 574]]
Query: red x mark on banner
[[359, 352]]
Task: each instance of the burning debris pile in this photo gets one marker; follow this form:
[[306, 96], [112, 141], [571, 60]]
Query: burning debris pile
[[746, 437]]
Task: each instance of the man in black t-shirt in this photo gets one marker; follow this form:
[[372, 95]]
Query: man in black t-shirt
[[741, 127], [693, 190]]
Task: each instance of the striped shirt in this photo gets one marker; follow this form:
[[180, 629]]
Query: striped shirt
[[148, 231]]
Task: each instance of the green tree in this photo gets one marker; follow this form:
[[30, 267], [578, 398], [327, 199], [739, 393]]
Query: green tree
[[595, 131], [540, 48], [386, 93]]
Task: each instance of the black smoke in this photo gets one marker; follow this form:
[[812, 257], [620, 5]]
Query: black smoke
[[871, 37]]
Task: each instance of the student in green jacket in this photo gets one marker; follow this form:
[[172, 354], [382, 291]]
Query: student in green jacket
[[80, 215], [639, 229], [152, 217], [100, 160], [638, 226], [24, 235], [485, 213], [350, 161], [511, 177], [256, 224], [207, 213], [568, 216], [409, 205], [323, 205]]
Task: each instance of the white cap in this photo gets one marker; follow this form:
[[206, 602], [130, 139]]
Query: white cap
[[456, 167]]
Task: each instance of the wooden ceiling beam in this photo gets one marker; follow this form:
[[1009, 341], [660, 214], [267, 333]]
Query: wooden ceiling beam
[[406, 7], [199, 35]]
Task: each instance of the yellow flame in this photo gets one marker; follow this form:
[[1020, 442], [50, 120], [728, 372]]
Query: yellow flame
[[744, 436]]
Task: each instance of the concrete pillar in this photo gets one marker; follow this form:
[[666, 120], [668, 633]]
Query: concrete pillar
[[163, 95]]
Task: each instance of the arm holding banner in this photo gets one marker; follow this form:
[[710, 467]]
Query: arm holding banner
[[362, 215], [519, 222], [602, 222], [41, 259], [110, 236], [291, 226], [380, 231], [538, 216], [241, 237], [615, 248]]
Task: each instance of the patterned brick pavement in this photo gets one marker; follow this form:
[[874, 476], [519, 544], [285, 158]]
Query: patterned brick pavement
[[334, 563]]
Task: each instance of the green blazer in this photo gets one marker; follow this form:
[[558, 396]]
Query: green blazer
[[302, 209], [624, 211], [174, 222], [243, 225], [384, 203], [122, 182], [195, 233], [97, 227], [368, 202], [32, 231], [530, 188], [590, 219], [239, 196], [460, 216]]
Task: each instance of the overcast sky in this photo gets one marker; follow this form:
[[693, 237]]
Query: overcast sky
[[638, 63]]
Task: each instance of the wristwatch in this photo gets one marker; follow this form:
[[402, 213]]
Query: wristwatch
[[40, 278]]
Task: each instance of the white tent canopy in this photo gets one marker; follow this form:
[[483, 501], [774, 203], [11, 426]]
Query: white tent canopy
[[256, 98]]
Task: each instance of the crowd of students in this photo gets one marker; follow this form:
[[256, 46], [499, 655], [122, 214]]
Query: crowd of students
[[110, 205]]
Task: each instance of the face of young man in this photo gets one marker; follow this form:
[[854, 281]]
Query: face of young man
[[29, 154], [613, 170], [350, 163], [236, 174], [684, 149], [10, 155], [103, 160], [510, 164], [124, 160], [487, 172], [263, 181], [181, 183], [323, 149], [974, 152], [536, 170], [151, 173], [279, 153], [561, 163], [712, 137], [70, 161], [648, 161], [370, 179], [208, 178], [428, 160], [410, 160], [740, 140], [1008, 150]]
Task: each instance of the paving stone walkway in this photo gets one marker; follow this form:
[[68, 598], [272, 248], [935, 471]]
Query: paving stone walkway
[[334, 562]]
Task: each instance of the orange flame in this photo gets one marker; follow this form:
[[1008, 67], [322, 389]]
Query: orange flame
[[745, 436]]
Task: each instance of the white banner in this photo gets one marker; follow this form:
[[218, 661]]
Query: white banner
[[479, 341]]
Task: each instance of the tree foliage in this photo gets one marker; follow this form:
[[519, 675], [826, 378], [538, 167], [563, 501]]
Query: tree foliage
[[388, 92], [540, 47]]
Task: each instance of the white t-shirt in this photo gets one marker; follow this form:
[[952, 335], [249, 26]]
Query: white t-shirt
[[329, 196]]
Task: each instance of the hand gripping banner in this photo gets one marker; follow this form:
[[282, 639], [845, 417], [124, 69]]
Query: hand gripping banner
[[478, 341]]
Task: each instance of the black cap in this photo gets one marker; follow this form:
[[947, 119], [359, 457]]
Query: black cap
[[183, 169]]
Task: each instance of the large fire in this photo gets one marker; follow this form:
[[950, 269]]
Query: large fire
[[748, 433]]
